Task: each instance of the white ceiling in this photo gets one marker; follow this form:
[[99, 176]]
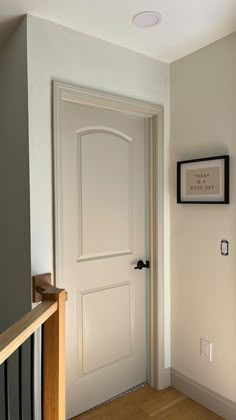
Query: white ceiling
[[187, 25]]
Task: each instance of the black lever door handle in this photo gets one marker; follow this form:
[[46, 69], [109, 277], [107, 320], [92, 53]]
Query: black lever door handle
[[140, 265]]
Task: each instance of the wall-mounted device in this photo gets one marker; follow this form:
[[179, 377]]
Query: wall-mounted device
[[206, 349], [224, 247]]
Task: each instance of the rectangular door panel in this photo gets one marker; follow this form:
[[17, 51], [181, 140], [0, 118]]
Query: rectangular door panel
[[104, 202], [106, 326]]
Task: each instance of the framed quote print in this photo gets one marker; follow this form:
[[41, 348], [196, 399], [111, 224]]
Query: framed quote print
[[203, 181]]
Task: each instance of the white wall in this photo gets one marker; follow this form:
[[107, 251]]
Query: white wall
[[56, 52], [203, 123]]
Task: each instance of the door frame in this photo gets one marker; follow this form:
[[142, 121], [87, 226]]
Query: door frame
[[154, 115]]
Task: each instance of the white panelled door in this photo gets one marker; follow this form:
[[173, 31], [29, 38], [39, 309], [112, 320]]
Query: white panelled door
[[101, 190]]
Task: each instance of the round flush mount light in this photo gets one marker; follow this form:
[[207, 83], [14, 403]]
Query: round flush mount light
[[147, 19]]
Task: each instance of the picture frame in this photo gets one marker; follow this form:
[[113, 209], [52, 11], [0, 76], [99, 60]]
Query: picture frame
[[203, 181]]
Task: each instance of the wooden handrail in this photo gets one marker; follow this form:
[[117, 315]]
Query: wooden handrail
[[19, 332]]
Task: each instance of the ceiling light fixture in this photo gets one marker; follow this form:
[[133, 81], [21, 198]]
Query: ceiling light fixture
[[147, 19]]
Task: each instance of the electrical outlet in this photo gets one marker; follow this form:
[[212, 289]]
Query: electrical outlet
[[206, 349]]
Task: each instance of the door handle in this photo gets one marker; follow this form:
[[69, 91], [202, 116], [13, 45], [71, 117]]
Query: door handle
[[140, 265]]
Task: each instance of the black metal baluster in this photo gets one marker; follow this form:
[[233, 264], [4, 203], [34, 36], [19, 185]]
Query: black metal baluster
[[6, 391], [42, 372], [21, 417], [32, 375]]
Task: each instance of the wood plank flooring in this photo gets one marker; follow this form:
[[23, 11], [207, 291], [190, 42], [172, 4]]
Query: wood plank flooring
[[147, 403]]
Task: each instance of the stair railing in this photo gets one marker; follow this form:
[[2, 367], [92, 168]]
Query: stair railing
[[49, 316]]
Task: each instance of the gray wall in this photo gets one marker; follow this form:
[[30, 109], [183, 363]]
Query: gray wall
[[203, 123], [15, 270]]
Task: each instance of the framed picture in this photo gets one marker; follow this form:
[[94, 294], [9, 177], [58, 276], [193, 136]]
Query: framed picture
[[203, 181]]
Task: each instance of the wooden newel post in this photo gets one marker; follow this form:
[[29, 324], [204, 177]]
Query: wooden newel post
[[54, 357]]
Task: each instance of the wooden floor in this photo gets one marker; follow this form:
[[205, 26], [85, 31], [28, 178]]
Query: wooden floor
[[147, 403]]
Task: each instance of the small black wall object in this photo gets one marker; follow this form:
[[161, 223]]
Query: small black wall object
[[224, 247]]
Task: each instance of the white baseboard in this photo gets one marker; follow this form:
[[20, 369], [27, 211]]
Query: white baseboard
[[204, 396]]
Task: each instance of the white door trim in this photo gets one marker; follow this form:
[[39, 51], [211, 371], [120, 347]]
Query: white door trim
[[154, 114]]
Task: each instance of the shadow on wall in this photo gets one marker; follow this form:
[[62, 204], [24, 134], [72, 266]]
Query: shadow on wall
[[7, 26]]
